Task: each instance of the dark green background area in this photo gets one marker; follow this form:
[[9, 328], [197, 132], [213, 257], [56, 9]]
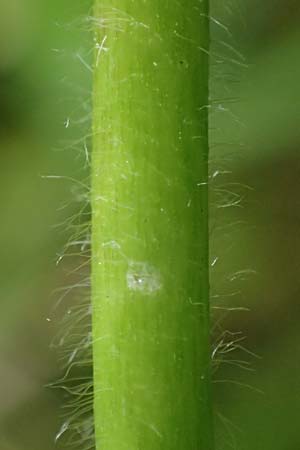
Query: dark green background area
[[45, 84]]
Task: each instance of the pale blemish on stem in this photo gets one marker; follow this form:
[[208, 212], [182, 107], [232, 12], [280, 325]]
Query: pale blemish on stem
[[143, 277]]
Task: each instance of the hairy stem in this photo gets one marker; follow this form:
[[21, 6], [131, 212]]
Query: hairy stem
[[149, 226]]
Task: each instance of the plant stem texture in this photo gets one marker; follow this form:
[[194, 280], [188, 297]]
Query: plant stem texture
[[150, 284]]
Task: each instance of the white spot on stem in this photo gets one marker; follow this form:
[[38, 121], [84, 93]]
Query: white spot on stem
[[143, 277]]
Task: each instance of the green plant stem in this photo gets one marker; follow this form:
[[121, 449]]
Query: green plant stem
[[150, 226]]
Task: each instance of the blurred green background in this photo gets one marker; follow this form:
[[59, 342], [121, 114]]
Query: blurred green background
[[45, 86]]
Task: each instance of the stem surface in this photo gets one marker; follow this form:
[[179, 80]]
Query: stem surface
[[150, 226]]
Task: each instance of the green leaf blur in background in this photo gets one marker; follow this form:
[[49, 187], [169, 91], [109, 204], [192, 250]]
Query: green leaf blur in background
[[45, 84]]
